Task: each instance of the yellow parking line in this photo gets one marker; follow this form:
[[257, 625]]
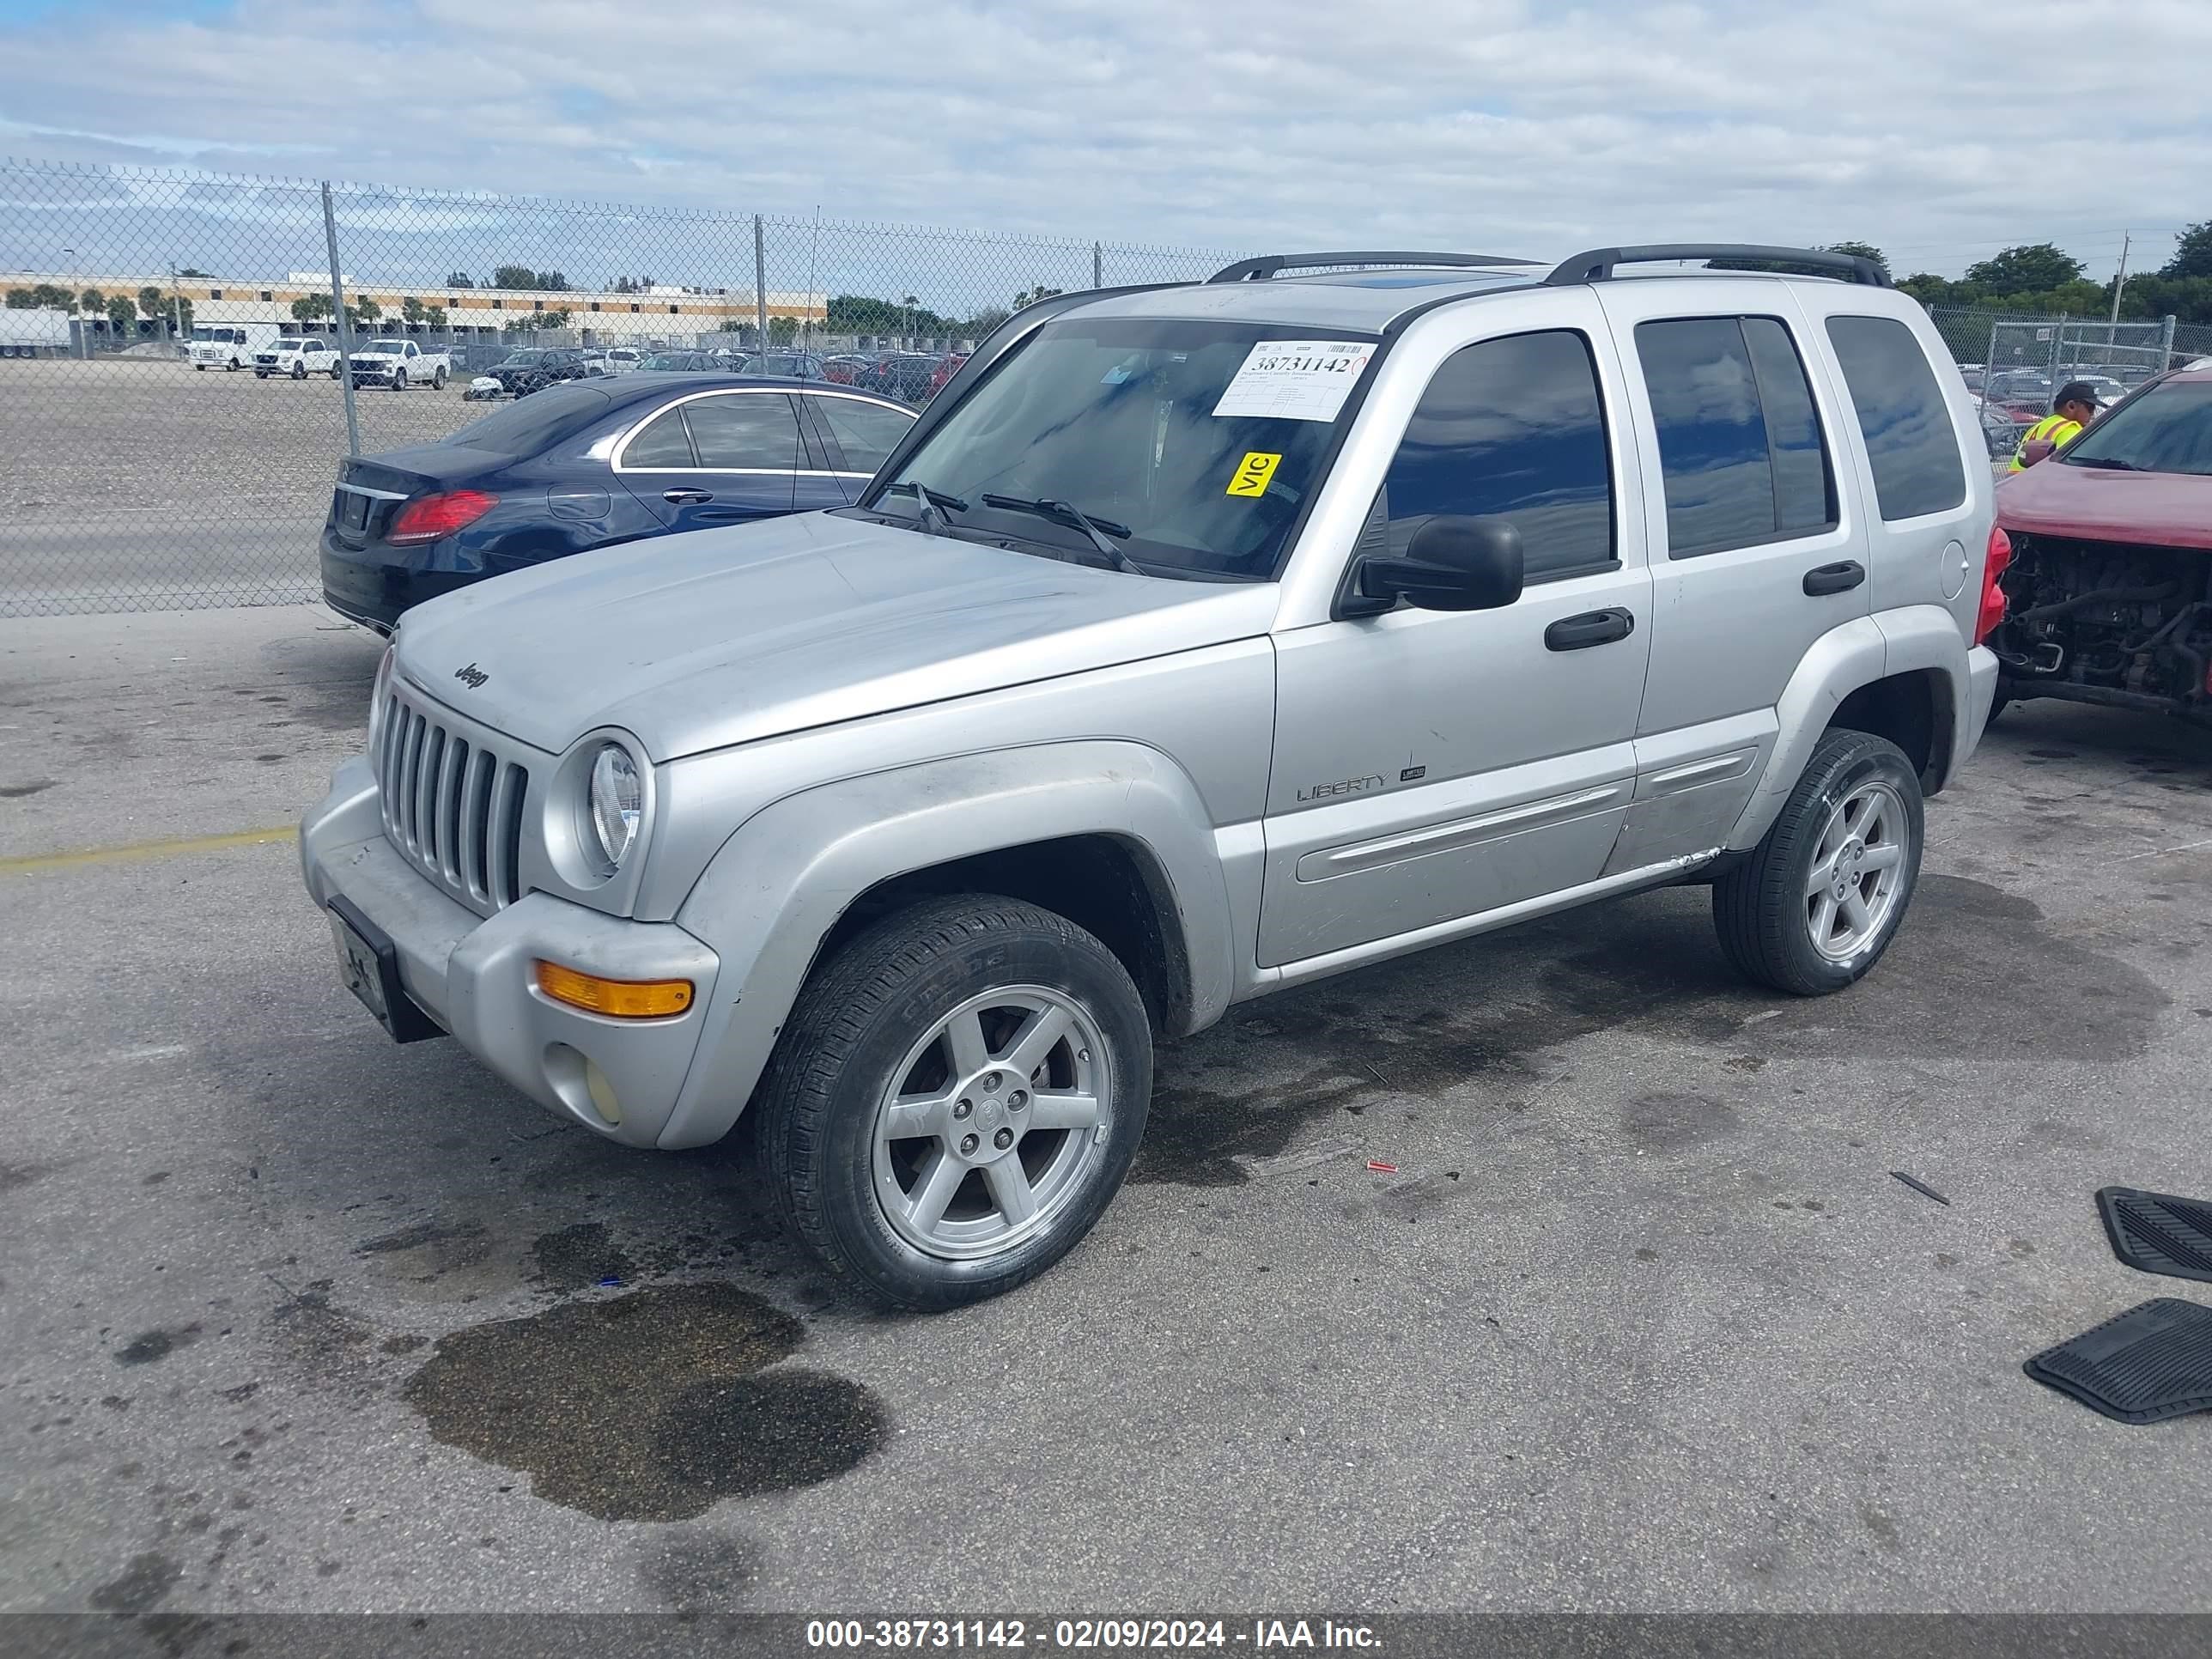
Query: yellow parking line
[[145, 850]]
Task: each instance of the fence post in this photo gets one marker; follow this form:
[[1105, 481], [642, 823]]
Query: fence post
[[2166, 344], [2057, 351], [1988, 366], [345, 328], [1097, 265], [760, 291]]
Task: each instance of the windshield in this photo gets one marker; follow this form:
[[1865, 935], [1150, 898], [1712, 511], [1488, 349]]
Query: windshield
[[291, 345], [525, 354], [221, 335], [1201, 439], [380, 348], [2167, 429], [530, 424]]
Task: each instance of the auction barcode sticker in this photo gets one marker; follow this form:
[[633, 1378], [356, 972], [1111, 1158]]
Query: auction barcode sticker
[[1295, 379]]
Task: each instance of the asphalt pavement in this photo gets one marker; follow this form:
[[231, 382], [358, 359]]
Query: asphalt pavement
[[1637, 1319]]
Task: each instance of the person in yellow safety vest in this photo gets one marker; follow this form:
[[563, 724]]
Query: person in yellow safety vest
[[2074, 408]]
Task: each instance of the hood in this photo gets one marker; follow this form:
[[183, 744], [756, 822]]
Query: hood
[[700, 641], [2163, 509]]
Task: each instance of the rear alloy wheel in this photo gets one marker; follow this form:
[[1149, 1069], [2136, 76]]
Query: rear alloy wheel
[[956, 1099], [299, 371], [1822, 896]]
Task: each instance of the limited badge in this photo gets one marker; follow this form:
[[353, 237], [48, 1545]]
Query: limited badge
[[1252, 473]]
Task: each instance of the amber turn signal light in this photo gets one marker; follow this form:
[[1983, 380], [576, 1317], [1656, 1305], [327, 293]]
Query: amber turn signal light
[[619, 999]]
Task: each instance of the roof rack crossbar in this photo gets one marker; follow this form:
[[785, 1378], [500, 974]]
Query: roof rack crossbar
[[1597, 264], [1268, 265]]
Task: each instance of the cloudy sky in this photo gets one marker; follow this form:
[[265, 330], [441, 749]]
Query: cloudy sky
[[1940, 130]]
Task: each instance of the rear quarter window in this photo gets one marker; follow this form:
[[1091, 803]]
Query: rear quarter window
[[1910, 440]]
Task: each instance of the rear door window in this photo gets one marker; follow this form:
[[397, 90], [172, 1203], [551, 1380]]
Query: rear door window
[[1909, 437], [1740, 445], [744, 432], [1513, 428], [664, 443]]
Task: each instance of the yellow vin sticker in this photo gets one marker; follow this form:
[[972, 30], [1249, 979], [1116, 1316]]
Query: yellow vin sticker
[[1252, 473]]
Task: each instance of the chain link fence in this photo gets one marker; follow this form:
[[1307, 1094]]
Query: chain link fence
[[2014, 365], [173, 399]]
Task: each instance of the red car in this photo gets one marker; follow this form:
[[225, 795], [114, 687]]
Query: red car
[[954, 361], [2109, 589]]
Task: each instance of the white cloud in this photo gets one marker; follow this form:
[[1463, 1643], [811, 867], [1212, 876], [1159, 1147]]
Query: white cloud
[[1940, 131]]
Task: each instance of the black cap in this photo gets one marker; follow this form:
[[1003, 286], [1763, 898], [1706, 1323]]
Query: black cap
[[2076, 391]]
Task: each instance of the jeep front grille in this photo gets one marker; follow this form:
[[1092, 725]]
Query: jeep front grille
[[454, 808]]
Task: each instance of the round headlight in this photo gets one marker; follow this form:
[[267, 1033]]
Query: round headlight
[[617, 802]]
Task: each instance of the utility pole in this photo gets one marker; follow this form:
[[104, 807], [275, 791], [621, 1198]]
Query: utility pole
[[176, 305], [2120, 282]]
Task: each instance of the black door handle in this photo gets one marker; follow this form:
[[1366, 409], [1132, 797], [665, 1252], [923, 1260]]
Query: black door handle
[[1591, 627], [1835, 578], [687, 497]]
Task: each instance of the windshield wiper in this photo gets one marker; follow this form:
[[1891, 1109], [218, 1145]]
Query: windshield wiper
[[2108, 463], [934, 505], [1099, 529]]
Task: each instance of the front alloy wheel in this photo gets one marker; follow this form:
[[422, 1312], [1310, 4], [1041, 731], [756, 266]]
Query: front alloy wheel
[[956, 1099]]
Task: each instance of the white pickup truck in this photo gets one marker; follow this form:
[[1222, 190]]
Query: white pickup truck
[[297, 357], [398, 363]]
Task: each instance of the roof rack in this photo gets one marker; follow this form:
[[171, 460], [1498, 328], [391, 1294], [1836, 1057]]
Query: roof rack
[[1267, 264], [1596, 265]]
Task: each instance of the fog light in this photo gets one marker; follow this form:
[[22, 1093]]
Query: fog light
[[603, 1093], [619, 999]]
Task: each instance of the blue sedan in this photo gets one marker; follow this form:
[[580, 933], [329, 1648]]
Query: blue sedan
[[587, 465]]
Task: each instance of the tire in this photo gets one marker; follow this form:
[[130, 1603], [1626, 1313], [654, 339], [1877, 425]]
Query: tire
[[199, 368], [260, 373], [874, 1015], [299, 371], [437, 379], [399, 379], [1770, 910], [336, 375], [231, 367]]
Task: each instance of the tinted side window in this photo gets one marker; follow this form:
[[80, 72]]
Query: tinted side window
[[664, 443], [1514, 427], [746, 430], [1909, 437], [1739, 441], [865, 432]]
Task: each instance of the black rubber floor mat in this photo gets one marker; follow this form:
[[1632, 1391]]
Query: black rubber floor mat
[[2158, 1232], [2154, 1361]]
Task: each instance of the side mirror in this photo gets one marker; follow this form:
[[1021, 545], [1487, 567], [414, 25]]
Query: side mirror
[[2038, 450], [1452, 563]]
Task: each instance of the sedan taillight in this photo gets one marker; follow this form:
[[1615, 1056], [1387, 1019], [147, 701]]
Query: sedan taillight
[[429, 518], [1994, 561]]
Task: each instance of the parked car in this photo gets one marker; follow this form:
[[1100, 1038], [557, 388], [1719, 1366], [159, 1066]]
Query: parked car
[[587, 464], [621, 359], [2109, 575], [531, 369], [229, 346], [786, 365], [2000, 430], [398, 364], [947, 366], [903, 374], [682, 363], [2025, 392], [840, 370], [297, 356], [1215, 642]]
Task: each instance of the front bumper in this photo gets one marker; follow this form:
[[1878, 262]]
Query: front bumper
[[476, 975]]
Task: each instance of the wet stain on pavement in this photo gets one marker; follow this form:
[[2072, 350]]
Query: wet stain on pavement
[[142, 1585], [13, 1175], [652, 1406], [577, 1257], [700, 1572], [17, 791], [1675, 1123], [150, 1346], [1478, 1013]]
